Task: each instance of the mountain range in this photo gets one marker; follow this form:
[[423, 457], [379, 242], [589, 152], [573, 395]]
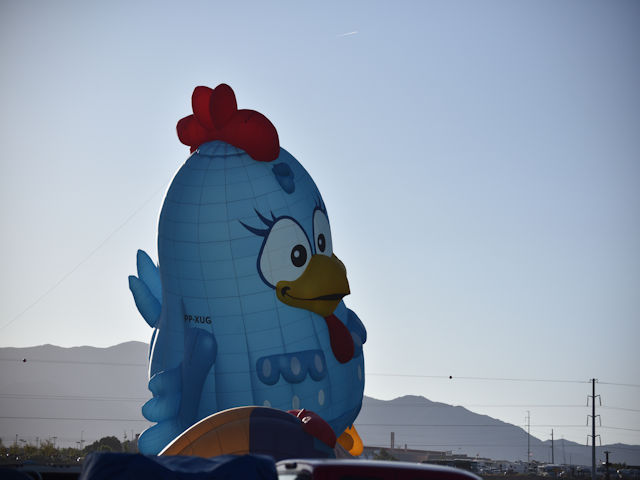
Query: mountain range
[[76, 395], [418, 423]]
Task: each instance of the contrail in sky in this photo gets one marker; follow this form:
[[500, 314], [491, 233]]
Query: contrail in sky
[[347, 34]]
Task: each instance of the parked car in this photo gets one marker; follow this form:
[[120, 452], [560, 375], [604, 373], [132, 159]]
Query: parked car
[[338, 469], [629, 474]]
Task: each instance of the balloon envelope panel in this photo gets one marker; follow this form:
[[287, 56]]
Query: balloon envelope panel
[[243, 430]]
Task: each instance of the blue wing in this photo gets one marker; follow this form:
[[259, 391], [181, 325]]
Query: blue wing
[[176, 391], [147, 289]]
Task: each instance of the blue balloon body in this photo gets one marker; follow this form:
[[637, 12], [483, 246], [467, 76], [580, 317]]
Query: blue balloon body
[[222, 337]]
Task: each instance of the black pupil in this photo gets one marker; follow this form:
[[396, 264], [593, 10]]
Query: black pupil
[[322, 243], [299, 255]]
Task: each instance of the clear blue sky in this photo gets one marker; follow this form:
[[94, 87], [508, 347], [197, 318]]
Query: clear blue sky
[[480, 162]]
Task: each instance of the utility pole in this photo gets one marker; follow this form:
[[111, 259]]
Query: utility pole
[[593, 426], [552, 457], [529, 441], [606, 464], [593, 429]]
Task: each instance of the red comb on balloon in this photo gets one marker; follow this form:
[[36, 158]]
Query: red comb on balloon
[[216, 117]]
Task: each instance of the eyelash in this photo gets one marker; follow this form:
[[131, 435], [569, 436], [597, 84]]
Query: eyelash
[[262, 232]]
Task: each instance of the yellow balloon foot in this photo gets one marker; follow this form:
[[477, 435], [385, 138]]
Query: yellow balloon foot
[[351, 441]]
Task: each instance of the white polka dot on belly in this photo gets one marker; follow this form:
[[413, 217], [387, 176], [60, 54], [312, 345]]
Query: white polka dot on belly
[[266, 368], [295, 365], [317, 360]]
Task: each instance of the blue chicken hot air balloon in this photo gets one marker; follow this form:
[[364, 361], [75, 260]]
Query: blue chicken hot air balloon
[[246, 302]]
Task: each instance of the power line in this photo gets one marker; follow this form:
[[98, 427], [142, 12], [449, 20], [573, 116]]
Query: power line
[[487, 405], [406, 375], [398, 375], [16, 417], [496, 379], [432, 425], [621, 428], [73, 418], [503, 425], [93, 397], [492, 379], [621, 408], [615, 447], [477, 405], [372, 374], [75, 362], [84, 260], [635, 385], [142, 399], [509, 445], [72, 397], [494, 405]]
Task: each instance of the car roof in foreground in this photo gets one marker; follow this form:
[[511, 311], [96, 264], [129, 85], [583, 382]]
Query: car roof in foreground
[[438, 471]]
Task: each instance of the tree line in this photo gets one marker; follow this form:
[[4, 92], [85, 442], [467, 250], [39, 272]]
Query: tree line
[[47, 453]]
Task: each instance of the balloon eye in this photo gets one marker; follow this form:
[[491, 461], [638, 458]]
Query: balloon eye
[[285, 252], [299, 255], [322, 233]]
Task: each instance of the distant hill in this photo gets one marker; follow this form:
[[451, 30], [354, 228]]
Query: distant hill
[[422, 424], [72, 392], [49, 391]]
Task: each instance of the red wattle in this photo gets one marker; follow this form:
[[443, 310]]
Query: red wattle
[[340, 338]]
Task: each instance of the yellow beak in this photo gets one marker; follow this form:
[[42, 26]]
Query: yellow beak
[[320, 287]]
